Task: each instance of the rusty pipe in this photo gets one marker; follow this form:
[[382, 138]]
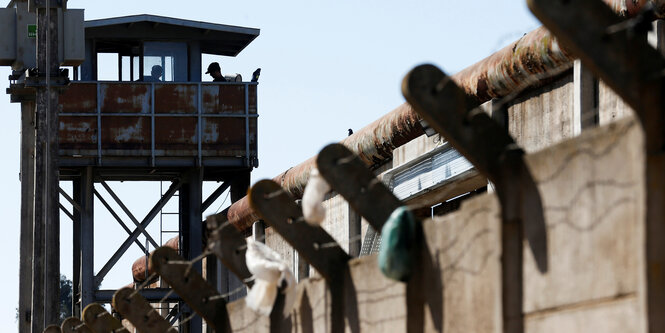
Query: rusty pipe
[[374, 144], [535, 54], [139, 266]]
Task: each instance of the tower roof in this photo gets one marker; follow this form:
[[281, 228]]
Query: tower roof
[[219, 39]]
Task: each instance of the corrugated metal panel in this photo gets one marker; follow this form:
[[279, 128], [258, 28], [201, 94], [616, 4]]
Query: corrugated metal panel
[[448, 164], [413, 179]]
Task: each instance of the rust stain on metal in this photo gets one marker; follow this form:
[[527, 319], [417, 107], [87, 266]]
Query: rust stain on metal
[[126, 133], [79, 98], [77, 132], [241, 214], [252, 99], [375, 142], [228, 99], [176, 134], [253, 131], [176, 98], [522, 62], [131, 135], [224, 134], [125, 98]]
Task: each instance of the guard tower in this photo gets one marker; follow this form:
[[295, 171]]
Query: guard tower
[[177, 130]]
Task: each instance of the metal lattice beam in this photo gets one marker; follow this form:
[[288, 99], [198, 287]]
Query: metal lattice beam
[[135, 234]]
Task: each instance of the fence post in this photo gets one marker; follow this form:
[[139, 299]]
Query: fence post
[[229, 245], [279, 210], [74, 325], [494, 153], [133, 307], [191, 287], [99, 320]]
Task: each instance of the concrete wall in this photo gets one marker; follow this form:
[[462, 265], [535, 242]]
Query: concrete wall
[[544, 116], [610, 107], [593, 193], [592, 189], [537, 119], [416, 148]]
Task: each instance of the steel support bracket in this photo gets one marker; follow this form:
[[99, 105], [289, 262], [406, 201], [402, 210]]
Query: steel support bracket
[[191, 287], [617, 51], [74, 325], [133, 307], [229, 245], [279, 210], [20, 93], [58, 80], [100, 321], [351, 178]]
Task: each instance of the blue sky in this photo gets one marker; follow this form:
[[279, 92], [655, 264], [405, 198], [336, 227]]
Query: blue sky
[[326, 66]]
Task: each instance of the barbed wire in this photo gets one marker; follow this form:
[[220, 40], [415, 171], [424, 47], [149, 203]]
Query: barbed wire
[[142, 286], [223, 202], [188, 318]]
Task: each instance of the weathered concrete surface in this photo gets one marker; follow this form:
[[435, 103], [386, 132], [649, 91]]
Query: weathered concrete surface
[[610, 106], [609, 316], [245, 320], [416, 148], [279, 244], [543, 117], [336, 222], [311, 312], [465, 249], [592, 190], [379, 302], [463, 263]]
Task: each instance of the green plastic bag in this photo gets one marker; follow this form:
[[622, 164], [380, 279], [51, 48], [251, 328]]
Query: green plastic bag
[[398, 245]]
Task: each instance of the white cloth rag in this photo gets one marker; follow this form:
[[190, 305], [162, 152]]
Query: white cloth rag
[[270, 272], [312, 199]]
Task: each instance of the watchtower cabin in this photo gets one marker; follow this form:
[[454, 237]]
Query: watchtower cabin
[[135, 123], [137, 127]]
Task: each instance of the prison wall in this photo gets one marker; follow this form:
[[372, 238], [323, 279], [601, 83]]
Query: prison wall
[[593, 192], [537, 118], [541, 117]]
